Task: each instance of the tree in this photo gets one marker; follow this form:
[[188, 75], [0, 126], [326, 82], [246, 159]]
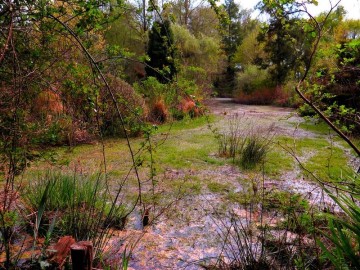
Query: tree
[[232, 35], [250, 49], [161, 52], [314, 29], [287, 42], [233, 32], [204, 21]]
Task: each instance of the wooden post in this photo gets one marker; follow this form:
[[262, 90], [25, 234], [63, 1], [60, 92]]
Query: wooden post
[[82, 255]]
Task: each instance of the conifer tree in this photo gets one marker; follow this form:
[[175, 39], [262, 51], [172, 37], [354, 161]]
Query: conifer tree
[[161, 52]]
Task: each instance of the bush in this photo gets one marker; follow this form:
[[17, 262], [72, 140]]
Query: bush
[[252, 79], [306, 110], [254, 87], [264, 96], [131, 106], [178, 96], [159, 112]]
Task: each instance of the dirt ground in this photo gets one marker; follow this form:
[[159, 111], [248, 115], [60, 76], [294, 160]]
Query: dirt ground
[[192, 232]]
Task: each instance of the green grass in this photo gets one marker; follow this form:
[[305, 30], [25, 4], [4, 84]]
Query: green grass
[[188, 150], [329, 164], [316, 126], [277, 162], [190, 145], [319, 156], [80, 202], [191, 185], [185, 124], [217, 187], [239, 197]]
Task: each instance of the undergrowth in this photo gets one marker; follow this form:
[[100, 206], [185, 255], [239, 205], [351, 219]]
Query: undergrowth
[[76, 205]]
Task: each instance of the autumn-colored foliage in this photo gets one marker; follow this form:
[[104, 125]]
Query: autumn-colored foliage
[[264, 96], [188, 106], [159, 112]]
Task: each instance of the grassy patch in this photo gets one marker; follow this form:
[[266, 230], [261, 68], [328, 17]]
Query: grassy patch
[[188, 150], [188, 186], [316, 126], [78, 205], [216, 187], [318, 156], [239, 197], [186, 123], [302, 146], [277, 162], [329, 163]]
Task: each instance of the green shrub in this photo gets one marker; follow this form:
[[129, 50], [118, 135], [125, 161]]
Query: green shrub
[[253, 78], [306, 110]]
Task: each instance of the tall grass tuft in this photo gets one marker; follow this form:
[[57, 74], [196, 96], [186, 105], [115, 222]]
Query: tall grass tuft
[[253, 153], [244, 142], [83, 205], [232, 138]]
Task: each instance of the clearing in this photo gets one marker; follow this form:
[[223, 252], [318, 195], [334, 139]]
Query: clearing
[[197, 191]]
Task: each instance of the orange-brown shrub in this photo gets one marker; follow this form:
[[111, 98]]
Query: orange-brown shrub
[[259, 97], [282, 98], [264, 96], [159, 112], [48, 103], [188, 106]]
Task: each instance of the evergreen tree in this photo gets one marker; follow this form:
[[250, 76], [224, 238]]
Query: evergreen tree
[[161, 52], [232, 30]]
